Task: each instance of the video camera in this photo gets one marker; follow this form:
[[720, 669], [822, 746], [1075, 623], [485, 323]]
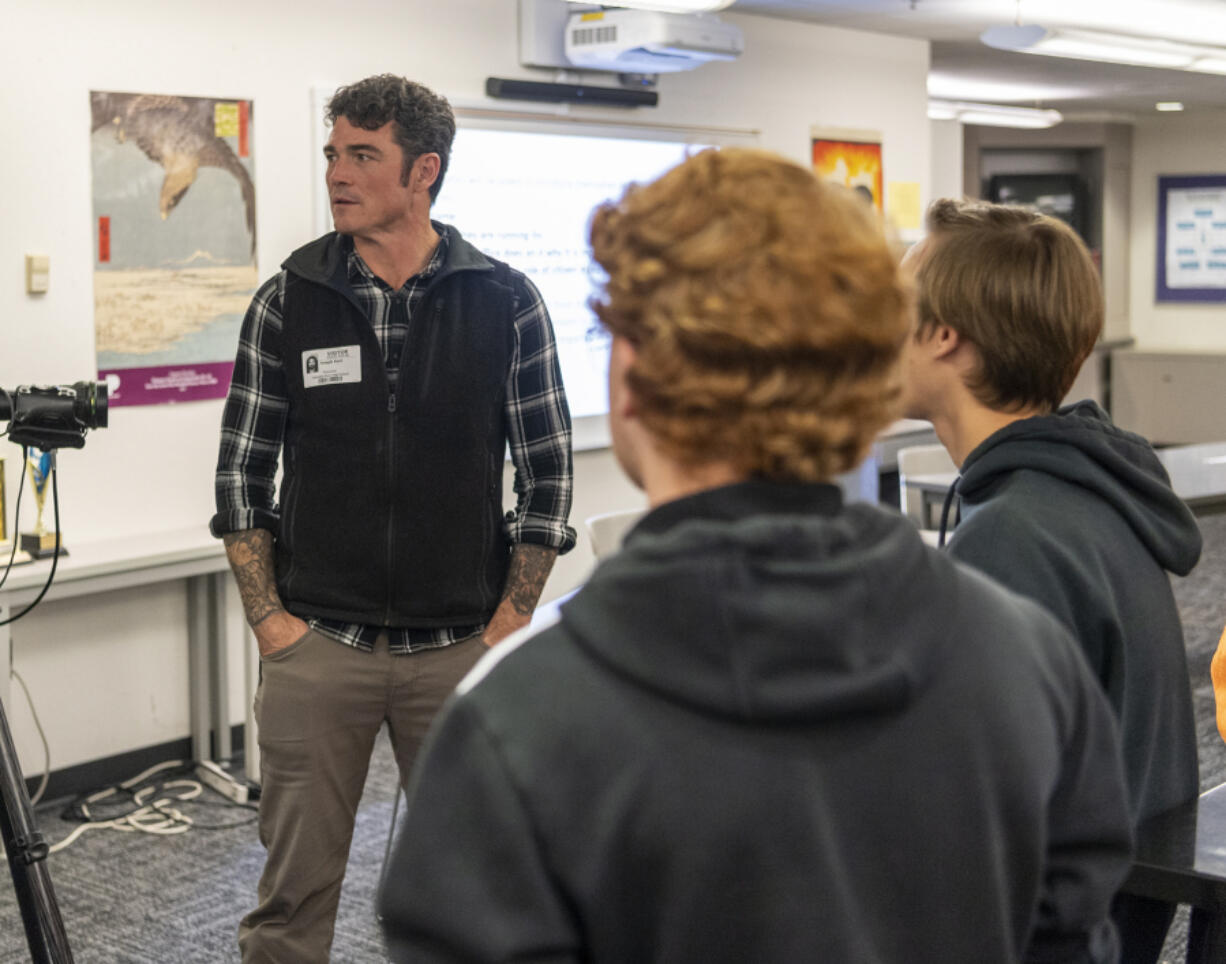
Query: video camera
[[54, 416]]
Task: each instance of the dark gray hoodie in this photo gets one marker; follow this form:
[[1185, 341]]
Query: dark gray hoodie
[[1079, 515], [774, 730]]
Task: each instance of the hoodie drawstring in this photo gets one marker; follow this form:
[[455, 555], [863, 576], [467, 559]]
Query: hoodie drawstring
[[949, 498]]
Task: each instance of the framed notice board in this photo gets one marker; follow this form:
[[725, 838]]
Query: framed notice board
[[1191, 239]]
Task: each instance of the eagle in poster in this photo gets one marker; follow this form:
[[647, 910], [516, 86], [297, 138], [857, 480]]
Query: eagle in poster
[[179, 133]]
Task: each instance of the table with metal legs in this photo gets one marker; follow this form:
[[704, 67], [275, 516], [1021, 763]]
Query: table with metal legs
[[190, 555]]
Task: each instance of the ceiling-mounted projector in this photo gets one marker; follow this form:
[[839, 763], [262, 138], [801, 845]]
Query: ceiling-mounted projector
[[647, 42]]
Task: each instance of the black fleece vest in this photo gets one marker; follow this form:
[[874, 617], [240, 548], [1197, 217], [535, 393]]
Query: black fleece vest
[[391, 504]]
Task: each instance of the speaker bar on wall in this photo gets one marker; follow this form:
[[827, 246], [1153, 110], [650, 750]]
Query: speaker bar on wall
[[574, 93]]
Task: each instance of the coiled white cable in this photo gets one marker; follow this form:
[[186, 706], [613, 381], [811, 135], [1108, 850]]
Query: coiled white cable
[[156, 817]]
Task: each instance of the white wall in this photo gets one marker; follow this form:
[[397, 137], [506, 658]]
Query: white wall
[[946, 177], [109, 674], [1171, 144]]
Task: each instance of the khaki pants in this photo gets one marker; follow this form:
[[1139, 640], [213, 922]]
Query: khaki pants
[[319, 707]]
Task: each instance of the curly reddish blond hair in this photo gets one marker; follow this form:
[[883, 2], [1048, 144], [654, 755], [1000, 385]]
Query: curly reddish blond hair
[[767, 311]]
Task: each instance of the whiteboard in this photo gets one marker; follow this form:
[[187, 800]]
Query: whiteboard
[[523, 190]]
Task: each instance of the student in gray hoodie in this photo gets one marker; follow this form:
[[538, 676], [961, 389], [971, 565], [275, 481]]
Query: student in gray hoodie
[[773, 728], [1058, 503]]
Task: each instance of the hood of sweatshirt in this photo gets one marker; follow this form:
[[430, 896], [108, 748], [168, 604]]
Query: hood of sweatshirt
[[767, 602], [1079, 444]]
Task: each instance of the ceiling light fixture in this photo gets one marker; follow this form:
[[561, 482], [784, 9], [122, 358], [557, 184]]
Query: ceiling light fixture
[[668, 6], [1211, 65], [943, 86], [1168, 105], [1107, 47], [993, 115]]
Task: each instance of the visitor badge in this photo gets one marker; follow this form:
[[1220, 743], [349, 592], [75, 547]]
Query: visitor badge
[[332, 366]]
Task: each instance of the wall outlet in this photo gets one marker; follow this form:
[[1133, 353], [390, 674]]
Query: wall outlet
[[38, 274]]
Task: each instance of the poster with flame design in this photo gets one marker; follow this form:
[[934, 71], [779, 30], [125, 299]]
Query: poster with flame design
[[850, 158]]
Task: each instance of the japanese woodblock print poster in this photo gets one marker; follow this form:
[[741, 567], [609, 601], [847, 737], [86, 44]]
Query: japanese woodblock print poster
[[851, 158], [174, 242]]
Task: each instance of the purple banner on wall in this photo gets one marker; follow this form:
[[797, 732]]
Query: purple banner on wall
[[164, 384]]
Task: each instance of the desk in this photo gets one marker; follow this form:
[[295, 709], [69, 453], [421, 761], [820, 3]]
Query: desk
[[1198, 472], [139, 560], [1198, 476], [1181, 858]]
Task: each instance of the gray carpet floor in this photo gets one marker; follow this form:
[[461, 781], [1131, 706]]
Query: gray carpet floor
[[140, 899]]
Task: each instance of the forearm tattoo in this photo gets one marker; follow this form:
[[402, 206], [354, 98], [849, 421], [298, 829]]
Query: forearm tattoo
[[250, 555], [530, 566]]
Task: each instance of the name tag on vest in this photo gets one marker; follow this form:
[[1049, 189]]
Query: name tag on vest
[[332, 366]]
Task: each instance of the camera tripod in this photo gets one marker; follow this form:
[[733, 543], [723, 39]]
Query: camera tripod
[[46, 418], [23, 844], [27, 854]]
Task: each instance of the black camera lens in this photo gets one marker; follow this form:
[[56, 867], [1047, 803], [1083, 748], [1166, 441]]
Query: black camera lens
[[52, 416], [89, 406]]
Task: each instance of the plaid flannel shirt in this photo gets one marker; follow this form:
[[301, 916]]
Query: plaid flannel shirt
[[537, 422]]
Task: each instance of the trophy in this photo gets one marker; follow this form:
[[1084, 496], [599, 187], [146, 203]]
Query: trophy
[[7, 552], [40, 543]]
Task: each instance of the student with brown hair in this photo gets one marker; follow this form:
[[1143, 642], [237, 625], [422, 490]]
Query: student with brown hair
[[774, 727], [1058, 504]]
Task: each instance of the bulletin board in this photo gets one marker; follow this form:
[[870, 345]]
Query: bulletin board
[[1191, 239]]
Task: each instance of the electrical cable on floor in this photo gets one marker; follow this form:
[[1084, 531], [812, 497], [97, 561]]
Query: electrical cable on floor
[[157, 816], [78, 810], [151, 807]]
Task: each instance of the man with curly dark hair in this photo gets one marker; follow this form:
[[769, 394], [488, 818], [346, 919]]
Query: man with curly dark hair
[[388, 364], [773, 728]]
